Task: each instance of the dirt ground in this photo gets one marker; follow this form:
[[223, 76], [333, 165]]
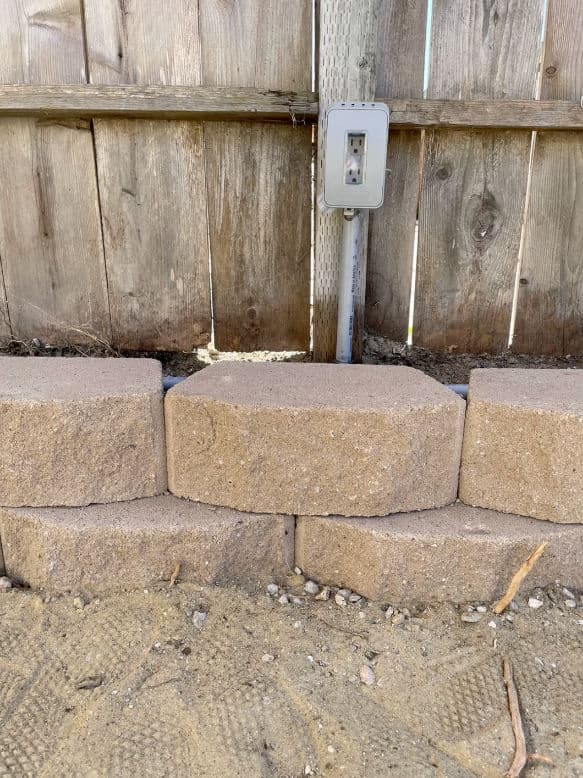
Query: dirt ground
[[448, 368], [127, 685]]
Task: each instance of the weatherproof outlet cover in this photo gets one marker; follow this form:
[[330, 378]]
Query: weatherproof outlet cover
[[355, 155]]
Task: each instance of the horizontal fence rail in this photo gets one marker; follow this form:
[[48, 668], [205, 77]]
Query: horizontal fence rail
[[227, 104]]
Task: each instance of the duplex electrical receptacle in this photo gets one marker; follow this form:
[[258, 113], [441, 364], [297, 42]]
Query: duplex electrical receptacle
[[355, 155], [354, 164]]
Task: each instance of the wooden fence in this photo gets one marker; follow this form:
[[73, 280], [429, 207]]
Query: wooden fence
[[107, 224], [155, 161]]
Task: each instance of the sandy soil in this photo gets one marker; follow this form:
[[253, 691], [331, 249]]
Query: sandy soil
[[128, 686]]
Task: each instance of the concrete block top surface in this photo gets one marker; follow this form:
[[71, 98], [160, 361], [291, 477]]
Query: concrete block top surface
[[158, 514], [556, 390], [308, 385], [42, 379]]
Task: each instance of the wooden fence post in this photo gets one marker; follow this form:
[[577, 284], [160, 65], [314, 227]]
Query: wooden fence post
[[347, 57]]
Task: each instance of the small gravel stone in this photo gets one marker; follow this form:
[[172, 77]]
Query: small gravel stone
[[79, 603], [297, 601], [534, 602], [272, 589], [355, 598], [570, 603], [344, 593], [324, 594], [492, 624], [367, 676], [311, 587], [389, 612], [398, 619], [283, 600], [568, 593], [514, 606], [481, 609], [509, 617], [339, 600], [298, 570], [199, 618], [472, 617], [5, 584], [267, 658]]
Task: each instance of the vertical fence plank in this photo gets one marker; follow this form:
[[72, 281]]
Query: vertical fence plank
[[549, 317], [258, 177], [151, 178], [50, 236], [347, 71], [400, 53], [474, 184]]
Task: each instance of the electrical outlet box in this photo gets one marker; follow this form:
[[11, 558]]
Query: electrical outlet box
[[355, 155]]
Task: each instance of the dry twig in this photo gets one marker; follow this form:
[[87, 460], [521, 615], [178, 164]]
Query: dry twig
[[518, 578], [540, 758], [175, 574], [520, 755]]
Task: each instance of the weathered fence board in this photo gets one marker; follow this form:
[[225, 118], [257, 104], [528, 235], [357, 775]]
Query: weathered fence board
[[400, 43], [151, 179], [474, 184], [50, 237], [347, 71], [258, 177], [5, 328], [549, 317]]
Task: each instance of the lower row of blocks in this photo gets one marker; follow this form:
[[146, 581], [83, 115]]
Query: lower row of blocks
[[455, 554]]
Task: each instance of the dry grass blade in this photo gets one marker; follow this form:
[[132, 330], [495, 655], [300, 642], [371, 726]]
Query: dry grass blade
[[518, 578], [520, 755], [175, 574]]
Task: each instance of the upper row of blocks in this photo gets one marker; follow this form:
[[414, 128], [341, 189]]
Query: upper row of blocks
[[290, 438]]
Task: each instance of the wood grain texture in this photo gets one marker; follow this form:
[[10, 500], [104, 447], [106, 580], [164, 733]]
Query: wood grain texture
[[549, 316], [400, 47], [50, 237], [466, 262], [258, 177], [474, 184], [158, 102], [347, 70], [151, 178], [5, 328], [261, 247]]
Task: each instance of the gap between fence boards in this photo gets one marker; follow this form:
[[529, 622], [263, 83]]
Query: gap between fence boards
[[229, 104]]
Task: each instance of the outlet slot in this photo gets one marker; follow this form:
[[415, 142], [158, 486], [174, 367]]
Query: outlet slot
[[354, 159]]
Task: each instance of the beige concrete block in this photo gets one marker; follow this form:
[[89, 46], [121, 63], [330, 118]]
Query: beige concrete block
[[316, 439], [457, 554], [77, 431], [523, 443], [133, 544]]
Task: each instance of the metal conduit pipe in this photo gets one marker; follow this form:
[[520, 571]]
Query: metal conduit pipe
[[173, 380]]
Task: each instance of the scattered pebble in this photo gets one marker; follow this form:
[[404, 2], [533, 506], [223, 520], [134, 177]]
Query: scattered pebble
[[509, 617], [272, 589], [298, 570], [492, 624], [568, 593], [398, 619], [344, 593], [471, 618], [570, 603], [355, 598], [367, 676], [324, 594], [311, 587], [389, 612], [481, 609], [308, 770], [297, 601], [267, 658], [199, 618], [5, 584], [514, 606], [79, 603], [580, 621], [283, 600], [339, 600], [534, 602]]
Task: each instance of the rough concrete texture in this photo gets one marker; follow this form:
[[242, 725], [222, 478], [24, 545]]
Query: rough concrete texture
[[357, 440], [523, 443], [455, 554], [80, 431], [132, 544]]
